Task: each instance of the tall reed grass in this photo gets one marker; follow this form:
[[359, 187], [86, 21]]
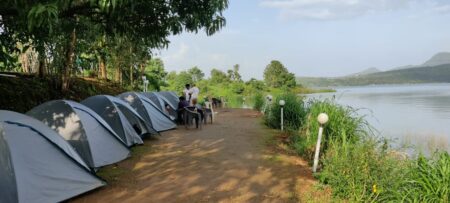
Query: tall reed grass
[[294, 112], [359, 166], [344, 126]]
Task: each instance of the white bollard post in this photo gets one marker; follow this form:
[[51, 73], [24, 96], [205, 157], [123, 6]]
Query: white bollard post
[[144, 81], [146, 85], [282, 103], [322, 118]]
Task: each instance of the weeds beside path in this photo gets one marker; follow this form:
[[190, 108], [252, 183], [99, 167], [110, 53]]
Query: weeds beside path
[[228, 161]]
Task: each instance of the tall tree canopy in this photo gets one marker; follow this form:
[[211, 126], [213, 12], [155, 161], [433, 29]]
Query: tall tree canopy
[[196, 74], [218, 76], [57, 27], [276, 75], [155, 73]]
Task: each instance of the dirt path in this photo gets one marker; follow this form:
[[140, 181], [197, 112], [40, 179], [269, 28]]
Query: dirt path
[[224, 162]]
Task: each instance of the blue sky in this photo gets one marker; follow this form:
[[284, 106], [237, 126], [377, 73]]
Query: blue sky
[[317, 37]]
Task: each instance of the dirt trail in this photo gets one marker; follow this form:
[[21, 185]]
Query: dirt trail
[[227, 161]]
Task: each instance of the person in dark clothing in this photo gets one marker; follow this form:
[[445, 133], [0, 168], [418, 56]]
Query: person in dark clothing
[[199, 109], [183, 103]]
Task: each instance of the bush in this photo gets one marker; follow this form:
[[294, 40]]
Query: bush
[[344, 126], [362, 171], [360, 167], [427, 180], [294, 112], [258, 101]]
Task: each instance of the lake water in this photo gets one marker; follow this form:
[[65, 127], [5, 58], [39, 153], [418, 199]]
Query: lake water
[[416, 115]]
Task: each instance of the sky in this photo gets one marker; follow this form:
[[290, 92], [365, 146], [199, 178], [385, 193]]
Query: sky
[[320, 38]]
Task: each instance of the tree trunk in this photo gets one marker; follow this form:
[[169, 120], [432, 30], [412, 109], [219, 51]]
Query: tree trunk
[[131, 75], [117, 75], [68, 64], [42, 65], [142, 70], [121, 77], [102, 68]]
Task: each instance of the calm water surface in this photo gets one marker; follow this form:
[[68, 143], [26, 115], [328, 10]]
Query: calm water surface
[[411, 114]]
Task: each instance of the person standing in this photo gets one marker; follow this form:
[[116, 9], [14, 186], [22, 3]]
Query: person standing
[[186, 91], [194, 92]]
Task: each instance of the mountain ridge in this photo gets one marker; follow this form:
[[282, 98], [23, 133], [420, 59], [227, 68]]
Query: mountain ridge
[[434, 70]]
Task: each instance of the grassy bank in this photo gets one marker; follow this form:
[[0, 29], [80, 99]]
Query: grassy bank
[[23, 92], [356, 164]]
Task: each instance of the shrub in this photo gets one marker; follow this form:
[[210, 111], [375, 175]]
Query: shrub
[[362, 171], [428, 180], [294, 112], [258, 101], [344, 126]]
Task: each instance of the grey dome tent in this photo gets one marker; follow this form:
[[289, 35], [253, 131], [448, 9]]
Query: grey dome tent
[[161, 102], [84, 129], [171, 98], [37, 164], [149, 111], [122, 118]]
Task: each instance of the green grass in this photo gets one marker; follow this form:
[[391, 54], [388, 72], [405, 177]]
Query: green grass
[[427, 180], [258, 101], [344, 126], [360, 167], [294, 112]]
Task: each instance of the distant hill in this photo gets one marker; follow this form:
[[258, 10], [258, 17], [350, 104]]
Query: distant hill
[[366, 72], [438, 59], [435, 70], [404, 67], [434, 74]]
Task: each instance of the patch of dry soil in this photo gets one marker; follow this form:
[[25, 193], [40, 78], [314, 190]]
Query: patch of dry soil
[[227, 161]]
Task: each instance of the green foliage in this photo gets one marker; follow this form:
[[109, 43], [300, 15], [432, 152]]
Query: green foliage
[[178, 81], [219, 77], [155, 74], [118, 34], [258, 101], [34, 91], [344, 126], [276, 75], [363, 171], [427, 180], [362, 168], [196, 74], [255, 84], [237, 87], [233, 74], [294, 112]]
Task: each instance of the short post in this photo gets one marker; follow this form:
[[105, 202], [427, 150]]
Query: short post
[[145, 83], [267, 103], [322, 118], [282, 103]]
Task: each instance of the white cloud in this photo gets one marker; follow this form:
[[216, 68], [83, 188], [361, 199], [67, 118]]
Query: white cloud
[[343, 9], [178, 55]]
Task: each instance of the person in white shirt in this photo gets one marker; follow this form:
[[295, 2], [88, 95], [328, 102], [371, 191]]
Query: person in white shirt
[[194, 91], [186, 92]]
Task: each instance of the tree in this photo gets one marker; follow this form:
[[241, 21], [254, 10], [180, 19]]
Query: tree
[[155, 73], [196, 74], [218, 76], [178, 81], [276, 75], [236, 75], [62, 24], [255, 84]]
